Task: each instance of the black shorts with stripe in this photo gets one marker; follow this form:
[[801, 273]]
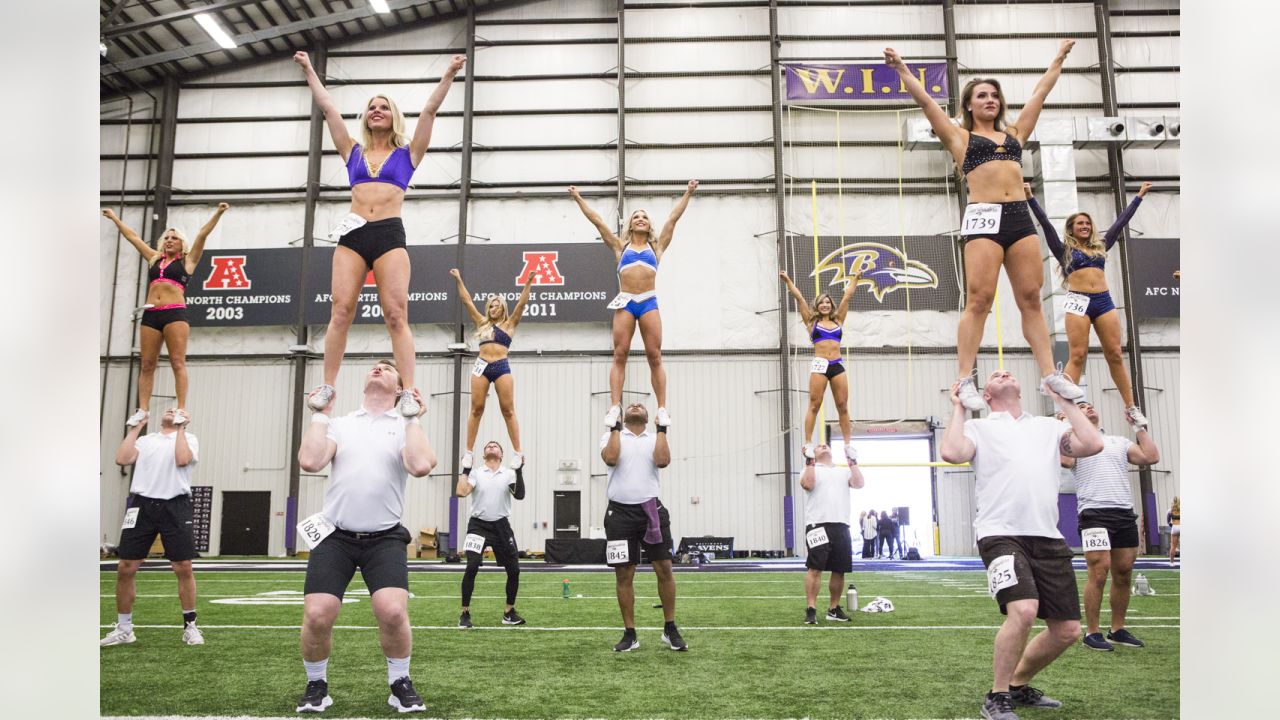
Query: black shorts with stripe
[[380, 557], [498, 535], [629, 522], [1121, 525], [836, 554], [170, 518]]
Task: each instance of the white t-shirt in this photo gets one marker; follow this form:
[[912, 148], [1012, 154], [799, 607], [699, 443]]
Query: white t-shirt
[[491, 498], [367, 478], [156, 473], [869, 527], [828, 501], [635, 478], [1017, 465], [1102, 480]]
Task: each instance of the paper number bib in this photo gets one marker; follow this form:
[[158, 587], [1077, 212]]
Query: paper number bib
[[819, 365], [816, 537], [981, 218], [474, 543], [617, 551], [620, 301], [315, 529], [130, 518], [1076, 304], [478, 368], [1000, 574], [349, 223], [1095, 539]]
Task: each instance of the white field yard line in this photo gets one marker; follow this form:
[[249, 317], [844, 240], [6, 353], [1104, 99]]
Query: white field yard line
[[614, 628], [611, 598]]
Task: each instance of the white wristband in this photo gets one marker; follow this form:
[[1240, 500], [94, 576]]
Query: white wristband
[[320, 418]]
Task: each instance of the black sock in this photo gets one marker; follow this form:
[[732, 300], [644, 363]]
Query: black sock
[[669, 626], [1013, 687], [189, 617], [629, 632]]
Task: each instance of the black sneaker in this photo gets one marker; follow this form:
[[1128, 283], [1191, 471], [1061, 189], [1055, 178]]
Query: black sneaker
[[1096, 642], [998, 706], [810, 616], [673, 640], [464, 620], [1031, 697], [628, 643], [837, 613], [511, 617], [1124, 637], [316, 697], [404, 698]]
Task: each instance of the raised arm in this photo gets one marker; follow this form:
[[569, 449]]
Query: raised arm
[[1050, 235], [127, 453], [337, 126], [317, 448], [1144, 452], [951, 136], [956, 447], [419, 459], [1083, 439], [842, 310], [807, 477], [1117, 228], [606, 234], [422, 133], [1030, 114], [661, 449], [197, 246], [517, 487], [518, 311], [464, 486], [465, 297], [611, 447], [669, 228], [145, 250], [806, 314], [184, 452], [856, 480]]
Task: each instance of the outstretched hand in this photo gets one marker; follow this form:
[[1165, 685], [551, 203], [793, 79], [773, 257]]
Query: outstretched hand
[[893, 59], [456, 63], [573, 190], [1142, 191], [223, 207], [1065, 48], [302, 59], [109, 214], [454, 272], [693, 185]]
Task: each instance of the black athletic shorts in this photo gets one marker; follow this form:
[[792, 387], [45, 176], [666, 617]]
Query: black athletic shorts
[[628, 522], [157, 319], [1044, 573], [374, 239], [498, 535], [834, 369], [380, 557], [836, 554], [170, 519], [1015, 224], [1121, 525]]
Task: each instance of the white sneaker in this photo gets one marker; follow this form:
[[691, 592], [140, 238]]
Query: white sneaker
[[409, 407], [118, 636], [1061, 384], [807, 450], [137, 418], [468, 459], [320, 398], [191, 634], [1135, 417], [611, 418], [180, 417], [517, 460], [969, 396], [662, 418]]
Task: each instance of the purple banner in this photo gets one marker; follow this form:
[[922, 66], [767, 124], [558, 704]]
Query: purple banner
[[861, 81]]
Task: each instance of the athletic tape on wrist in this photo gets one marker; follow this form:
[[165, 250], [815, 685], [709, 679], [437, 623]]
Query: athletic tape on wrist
[[320, 418]]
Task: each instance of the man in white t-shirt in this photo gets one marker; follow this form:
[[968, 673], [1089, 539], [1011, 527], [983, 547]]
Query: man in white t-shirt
[[159, 504], [491, 488], [636, 517], [826, 531], [1109, 527], [372, 450], [1015, 459]]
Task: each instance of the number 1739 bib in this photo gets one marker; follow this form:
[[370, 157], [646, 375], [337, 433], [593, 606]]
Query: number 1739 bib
[[981, 219]]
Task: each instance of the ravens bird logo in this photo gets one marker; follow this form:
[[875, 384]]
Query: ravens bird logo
[[881, 268]]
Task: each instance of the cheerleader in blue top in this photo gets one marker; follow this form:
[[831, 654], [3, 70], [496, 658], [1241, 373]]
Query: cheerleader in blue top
[[825, 323], [638, 254], [1082, 258]]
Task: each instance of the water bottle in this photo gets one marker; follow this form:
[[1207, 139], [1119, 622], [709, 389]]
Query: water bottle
[[564, 589], [851, 598]]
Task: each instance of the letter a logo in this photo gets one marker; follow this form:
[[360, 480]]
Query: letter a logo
[[543, 266], [227, 273]]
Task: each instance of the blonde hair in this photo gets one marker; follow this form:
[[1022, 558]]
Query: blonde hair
[[816, 316], [160, 250], [626, 231], [1177, 507], [486, 326], [1092, 246], [398, 137]]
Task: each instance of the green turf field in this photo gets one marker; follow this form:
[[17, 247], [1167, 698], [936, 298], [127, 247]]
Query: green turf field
[[749, 653]]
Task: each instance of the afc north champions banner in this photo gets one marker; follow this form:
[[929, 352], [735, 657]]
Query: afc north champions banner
[[1152, 262], [810, 82], [572, 283]]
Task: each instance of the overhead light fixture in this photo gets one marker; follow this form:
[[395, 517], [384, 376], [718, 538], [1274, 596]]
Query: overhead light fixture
[[215, 31], [380, 6]]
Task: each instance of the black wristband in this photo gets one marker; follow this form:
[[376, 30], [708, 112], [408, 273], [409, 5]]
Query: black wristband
[[466, 470], [662, 428], [616, 428]]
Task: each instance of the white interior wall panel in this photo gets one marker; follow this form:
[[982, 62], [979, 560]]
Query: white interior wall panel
[[697, 91], [259, 225], [414, 70], [444, 34], [112, 174], [269, 71], [119, 293], [957, 507], [538, 166], [1147, 88], [239, 173], [568, 59], [745, 126], [853, 162], [113, 485], [409, 97], [111, 138], [196, 102], [1024, 18], [1145, 51], [907, 20], [239, 137], [859, 50], [583, 129], [659, 56], [546, 94], [1141, 163], [695, 21], [699, 163], [544, 9], [548, 31]]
